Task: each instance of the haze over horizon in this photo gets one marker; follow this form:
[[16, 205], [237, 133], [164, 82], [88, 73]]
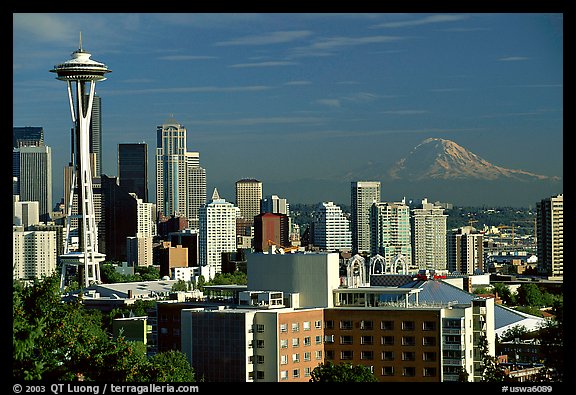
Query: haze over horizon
[[294, 99]]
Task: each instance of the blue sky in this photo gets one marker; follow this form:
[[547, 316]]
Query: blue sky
[[283, 97]]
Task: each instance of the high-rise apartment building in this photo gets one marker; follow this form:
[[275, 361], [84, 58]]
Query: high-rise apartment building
[[429, 236], [171, 179], [32, 166], [27, 135], [363, 195], [465, 249], [248, 197], [390, 231], [34, 254], [550, 235], [25, 213], [196, 193], [217, 232], [331, 228], [133, 168]]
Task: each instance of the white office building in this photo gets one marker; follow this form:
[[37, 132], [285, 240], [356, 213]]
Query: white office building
[[331, 228], [34, 254], [429, 236], [217, 233]]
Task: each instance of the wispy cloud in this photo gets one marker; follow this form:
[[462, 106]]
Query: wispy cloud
[[186, 57], [266, 39], [264, 64], [327, 46], [192, 89], [513, 59], [295, 83], [259, 121], [405, 112], [441, 18], [335, 103]]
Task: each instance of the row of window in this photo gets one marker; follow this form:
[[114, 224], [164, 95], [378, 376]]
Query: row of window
[[296, 357], [387, 325], [368, 355], [306, 325], [408, 371], [384, 340]]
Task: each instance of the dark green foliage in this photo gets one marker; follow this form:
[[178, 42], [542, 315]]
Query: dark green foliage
[[59, 341], [344, 372]]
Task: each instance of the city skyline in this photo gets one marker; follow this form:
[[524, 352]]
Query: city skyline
[[290, 97]]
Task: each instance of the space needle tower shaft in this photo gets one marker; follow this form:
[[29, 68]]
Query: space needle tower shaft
[[81, 73]]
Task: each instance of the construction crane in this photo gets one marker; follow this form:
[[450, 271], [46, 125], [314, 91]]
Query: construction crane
[[531, 221], [505, 227]]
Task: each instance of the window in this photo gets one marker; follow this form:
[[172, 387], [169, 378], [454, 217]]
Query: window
[[283, 343], [388, 371], [329, 324], [259, 343], [367, 355], [346, 324], [329, 339], [283, 328], [295, 342], [408, 325], [346, 355], [429, 372], [429, 326], [260, 375], [408, 356], [296, 373], [307, 372], [307, 341], [318, 324], [409, 371], [387, 355], [387, 325], [346, 339], [283, 375], [367, 340], [366, 325], [306, 325], [295, 327], [307, 356], [429, 356], [318, 354], [318, 339], [259, 328], [296, 357], [260, 359], [408, 341], [387, 340], [283, 359], [429, 341]]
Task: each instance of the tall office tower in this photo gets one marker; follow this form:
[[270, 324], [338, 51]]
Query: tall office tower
[[81, 74], [32, 166], [429, 236], [390, 231], [96, 136], [27, 135], [196, 179], [550, 239], [133, 168], [171, 180], [465, 251], [34, 254], [217, 233], [363, 195], [275, 205], [331, 228], [248, 197]]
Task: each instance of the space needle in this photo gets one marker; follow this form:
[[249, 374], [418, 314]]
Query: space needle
[[81, 74]]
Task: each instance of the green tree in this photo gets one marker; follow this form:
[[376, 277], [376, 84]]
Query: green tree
[[180, 286], [530, 295], [505, 294], [491, 372], [344, 372], [170, 366], [517, 331]]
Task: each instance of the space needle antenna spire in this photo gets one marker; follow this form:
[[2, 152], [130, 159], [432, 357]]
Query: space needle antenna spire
[[81, 73]]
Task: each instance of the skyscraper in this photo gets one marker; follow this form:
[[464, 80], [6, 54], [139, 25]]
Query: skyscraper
[[550, 231], [32, 166], [96, 136], [331, 228], [275, 205], [196, 193], [429, 236], [171, 179], [390, 231], [248, 197], [217, 234], [363, 195], [465, 249], [133, 168], [27, 135]]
